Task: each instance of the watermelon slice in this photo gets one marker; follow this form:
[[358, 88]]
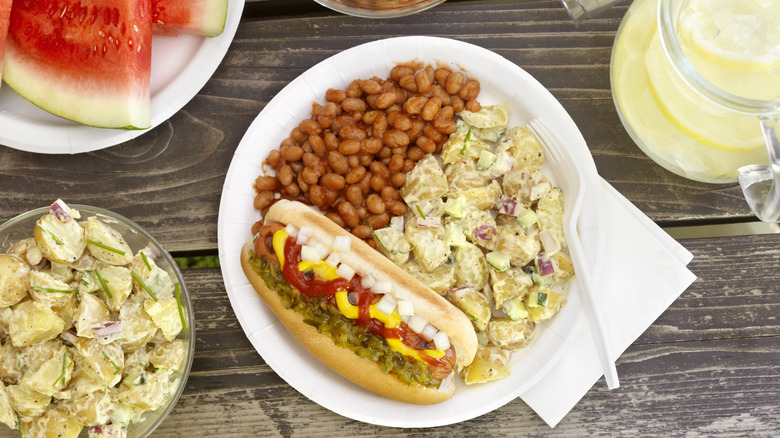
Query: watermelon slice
[[89, 62], [5, 17], [199, 17]]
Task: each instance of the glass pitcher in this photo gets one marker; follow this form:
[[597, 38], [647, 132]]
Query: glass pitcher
[[697, 86]]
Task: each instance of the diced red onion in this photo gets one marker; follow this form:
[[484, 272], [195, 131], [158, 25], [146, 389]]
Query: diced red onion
[[544, 264], [429, 222], [485, 232], [106, 429], [549, 242], [60, 210], [108, 330], [429, 332], [397, 222], [507, 205], [151, 253]]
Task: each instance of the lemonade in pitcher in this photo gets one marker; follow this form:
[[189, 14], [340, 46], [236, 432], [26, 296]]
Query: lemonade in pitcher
[[660, 64]]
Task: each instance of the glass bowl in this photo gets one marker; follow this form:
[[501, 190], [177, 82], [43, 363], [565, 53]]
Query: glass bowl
[[22, 226], [379, 8]]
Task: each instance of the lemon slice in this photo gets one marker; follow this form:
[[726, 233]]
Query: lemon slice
[[734, 44], [693, 115], [742, 35]]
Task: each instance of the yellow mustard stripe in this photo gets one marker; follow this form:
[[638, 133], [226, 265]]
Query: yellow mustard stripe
[[346, 308], [324, 270], [351, 311], [280, 237]]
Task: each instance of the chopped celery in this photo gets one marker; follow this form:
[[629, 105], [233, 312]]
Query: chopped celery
[[515, 309], [527, 219], [486, 160], [498, 260]]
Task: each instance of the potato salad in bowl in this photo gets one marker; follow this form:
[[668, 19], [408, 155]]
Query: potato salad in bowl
[[95, 325], [485, 229]]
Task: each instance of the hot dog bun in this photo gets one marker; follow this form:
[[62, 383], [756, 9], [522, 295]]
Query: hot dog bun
[[364, 259]]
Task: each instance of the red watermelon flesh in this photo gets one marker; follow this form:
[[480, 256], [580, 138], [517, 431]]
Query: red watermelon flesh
[[5, 16], [199, 17], [88, 61]]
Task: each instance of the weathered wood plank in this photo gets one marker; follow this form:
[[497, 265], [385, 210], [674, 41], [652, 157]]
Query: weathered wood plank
[[170, 179], [707, 366]]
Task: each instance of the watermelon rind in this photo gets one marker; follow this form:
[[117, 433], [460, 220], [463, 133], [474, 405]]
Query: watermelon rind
[[197, 17], [216, 15], [5, 18], [45, 89]]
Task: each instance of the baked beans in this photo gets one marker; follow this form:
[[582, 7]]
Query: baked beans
[[351, 157]]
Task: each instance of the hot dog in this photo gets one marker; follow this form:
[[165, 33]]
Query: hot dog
[[355, 310]]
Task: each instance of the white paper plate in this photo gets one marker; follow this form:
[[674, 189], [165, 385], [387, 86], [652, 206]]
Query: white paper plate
[[181, 66], [501, 81]]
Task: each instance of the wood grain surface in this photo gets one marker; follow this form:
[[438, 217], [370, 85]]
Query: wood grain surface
[[709, 366], [169, 179]]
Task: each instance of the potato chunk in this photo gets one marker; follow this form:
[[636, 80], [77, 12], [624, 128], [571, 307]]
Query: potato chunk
[[33, 322], [14, 274], [490, 363]]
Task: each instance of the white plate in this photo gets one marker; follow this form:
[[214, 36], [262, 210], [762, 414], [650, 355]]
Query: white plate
[[501, 81], [181, 66]]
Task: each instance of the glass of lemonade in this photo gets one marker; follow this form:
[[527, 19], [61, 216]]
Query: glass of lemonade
[[691, 78]]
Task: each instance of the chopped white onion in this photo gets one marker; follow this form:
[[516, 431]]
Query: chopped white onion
[[430, 222], [405, 318], [60, 210], [441, 341], [417, 323], [405, 308], [382, 287], [291, 230], [367, 281], [69, 336], [333, 259], [310, 254], [397, 222], [549, 242], [386, 305], [345, 271], [429, 332], [303, 235], [342, 243]]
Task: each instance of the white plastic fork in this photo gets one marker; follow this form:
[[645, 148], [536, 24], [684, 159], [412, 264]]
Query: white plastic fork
[[560, 159]]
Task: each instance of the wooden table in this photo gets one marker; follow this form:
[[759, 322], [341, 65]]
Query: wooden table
[[710, 365]]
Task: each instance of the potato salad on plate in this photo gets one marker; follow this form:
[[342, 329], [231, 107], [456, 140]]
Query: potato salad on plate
[[485, 229], [88, 328]]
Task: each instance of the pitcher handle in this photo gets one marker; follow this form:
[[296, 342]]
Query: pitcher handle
[[761, 183]]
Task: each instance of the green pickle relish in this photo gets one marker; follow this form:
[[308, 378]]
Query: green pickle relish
[[324, 315]]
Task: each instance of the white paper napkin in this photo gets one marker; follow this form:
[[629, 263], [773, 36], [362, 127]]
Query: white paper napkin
[[644, 271]]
